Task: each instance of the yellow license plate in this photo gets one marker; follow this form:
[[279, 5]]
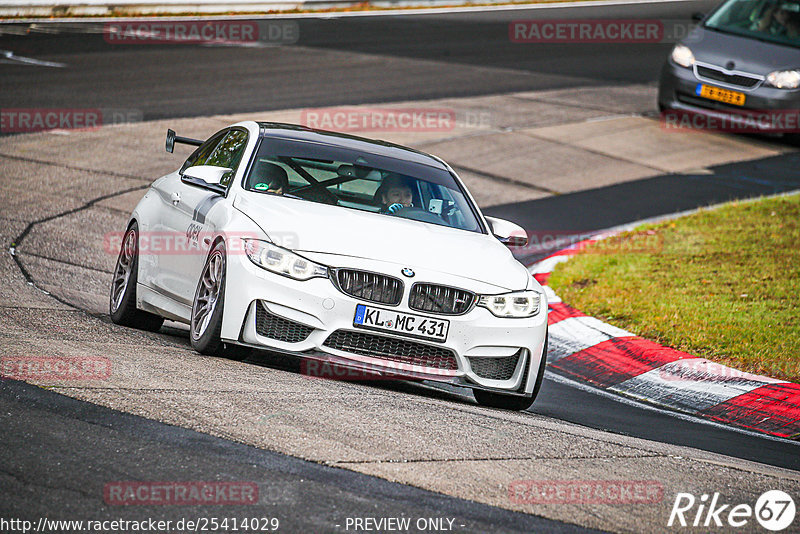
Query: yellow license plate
[[720, 95]]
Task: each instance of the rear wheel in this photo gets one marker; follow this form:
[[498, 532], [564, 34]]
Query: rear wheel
[[207, 309], [122, 301], [513, 402]]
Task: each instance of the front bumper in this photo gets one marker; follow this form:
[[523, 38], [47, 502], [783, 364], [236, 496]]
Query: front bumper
[[318, 305], [776, 110]]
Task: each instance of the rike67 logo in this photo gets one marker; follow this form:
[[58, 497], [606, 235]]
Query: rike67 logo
[[774, 510]]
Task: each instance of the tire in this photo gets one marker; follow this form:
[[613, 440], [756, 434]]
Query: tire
[[208, 306], [122, 299], [513, 402]]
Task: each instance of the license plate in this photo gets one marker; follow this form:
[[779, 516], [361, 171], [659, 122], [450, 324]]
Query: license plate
[[406, 324], [720, 95]]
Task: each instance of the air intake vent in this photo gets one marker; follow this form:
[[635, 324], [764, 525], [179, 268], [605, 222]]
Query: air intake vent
[[440, 299], [495, 368], [388, 348], [369, 286], [274, 327]]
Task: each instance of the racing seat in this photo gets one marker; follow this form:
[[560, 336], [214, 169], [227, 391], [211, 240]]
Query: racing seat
[[265, 172]]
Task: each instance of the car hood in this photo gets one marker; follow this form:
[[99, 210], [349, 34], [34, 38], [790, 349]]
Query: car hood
[[304, 226], [747, 54]]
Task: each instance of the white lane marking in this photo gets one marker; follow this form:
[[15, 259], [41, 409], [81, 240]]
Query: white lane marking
[[375, 13], [664, 386], [578, 333], [692, 384], [12, 57], [552, 298], [549, 375]]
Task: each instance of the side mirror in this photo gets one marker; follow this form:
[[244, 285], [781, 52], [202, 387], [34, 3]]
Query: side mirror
[[507, 232], [208, 176], [697, 16]]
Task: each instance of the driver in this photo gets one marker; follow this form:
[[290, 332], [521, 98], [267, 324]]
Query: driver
[[781, 19], [396, 194]]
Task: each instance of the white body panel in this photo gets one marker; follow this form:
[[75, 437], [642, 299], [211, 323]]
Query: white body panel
[[336, 237]]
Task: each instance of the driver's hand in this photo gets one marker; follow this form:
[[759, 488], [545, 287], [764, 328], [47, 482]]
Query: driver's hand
[[394, 208]]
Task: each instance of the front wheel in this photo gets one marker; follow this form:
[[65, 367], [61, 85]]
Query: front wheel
[[513, 402], [207, 308]]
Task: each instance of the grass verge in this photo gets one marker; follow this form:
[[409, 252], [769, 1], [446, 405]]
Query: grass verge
[[723, 284]]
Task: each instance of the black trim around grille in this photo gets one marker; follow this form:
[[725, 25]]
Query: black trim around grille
[[394, 349], [275, 327], [747, 82], [366, 285], [440, 299], [495, 368]]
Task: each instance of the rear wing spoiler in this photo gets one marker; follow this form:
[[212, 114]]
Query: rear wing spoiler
[[172, 139]]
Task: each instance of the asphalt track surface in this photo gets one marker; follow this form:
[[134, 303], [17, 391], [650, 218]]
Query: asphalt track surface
[[414, 58], [408, 58], [64, 475]]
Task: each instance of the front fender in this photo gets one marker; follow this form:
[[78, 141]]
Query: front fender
[[237, 298]]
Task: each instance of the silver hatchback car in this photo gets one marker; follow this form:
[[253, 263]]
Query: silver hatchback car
[[743, 60]]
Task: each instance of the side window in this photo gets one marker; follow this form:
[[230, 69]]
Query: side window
[[200, 155], [229, 153]]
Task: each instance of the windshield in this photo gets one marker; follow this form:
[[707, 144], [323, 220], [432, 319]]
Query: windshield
[[385, 186], [776, 21]]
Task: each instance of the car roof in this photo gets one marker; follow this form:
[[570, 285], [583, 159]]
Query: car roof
[[297, 132]]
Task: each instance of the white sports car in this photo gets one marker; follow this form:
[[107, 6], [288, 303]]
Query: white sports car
[[340, 250]]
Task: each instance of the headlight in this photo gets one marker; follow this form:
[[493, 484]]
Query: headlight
[[282, 261], [784, 79], [682, 55], [519, 304]]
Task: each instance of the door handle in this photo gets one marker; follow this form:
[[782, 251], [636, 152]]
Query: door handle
[[176, 198]]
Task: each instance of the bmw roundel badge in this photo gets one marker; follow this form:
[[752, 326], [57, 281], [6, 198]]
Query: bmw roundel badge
[[407, 272]]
